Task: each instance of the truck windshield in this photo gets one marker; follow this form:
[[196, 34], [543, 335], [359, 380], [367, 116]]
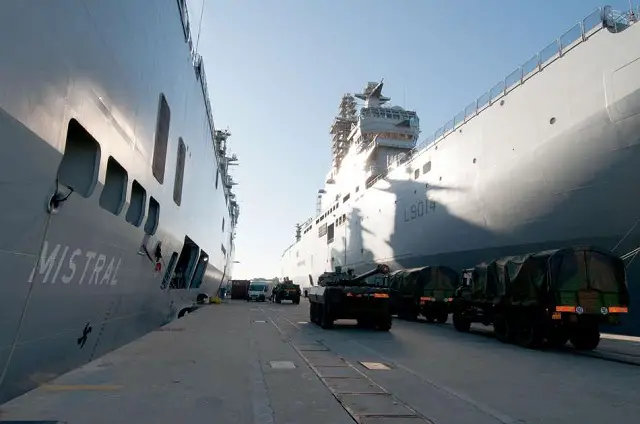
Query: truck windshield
[[257, 287]]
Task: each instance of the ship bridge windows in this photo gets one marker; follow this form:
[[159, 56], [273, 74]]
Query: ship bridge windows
[[114, 192], [162, 139], [153, 217], [341, 220], [135, 213], [345, 198], [179, 178], [80, 163]]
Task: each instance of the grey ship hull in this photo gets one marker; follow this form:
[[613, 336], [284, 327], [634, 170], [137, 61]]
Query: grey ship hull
[[74, 285], [510, 180]]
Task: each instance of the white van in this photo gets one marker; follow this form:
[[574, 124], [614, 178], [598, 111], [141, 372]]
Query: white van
[[258, 291]]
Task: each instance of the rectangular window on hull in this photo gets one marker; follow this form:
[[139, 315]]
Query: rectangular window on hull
[[177, 185], [78, 169], [153, 217], [416, 174], [114, 192], [426, 167], [162, 139], [135, 213]]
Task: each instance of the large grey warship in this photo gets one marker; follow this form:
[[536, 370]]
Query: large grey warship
[[547, 158], [119, 208]]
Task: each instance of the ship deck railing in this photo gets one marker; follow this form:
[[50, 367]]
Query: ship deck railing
[[599, 19]]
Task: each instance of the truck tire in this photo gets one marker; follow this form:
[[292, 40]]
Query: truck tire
[[461, 323], [586, 339], [408, 315], [443, 316], [557, 338], [364, 323], [529, 333], [384, 324], [503, 328]]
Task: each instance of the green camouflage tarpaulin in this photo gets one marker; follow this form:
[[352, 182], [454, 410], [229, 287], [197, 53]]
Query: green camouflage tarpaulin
[[562, 275], [435, 281]]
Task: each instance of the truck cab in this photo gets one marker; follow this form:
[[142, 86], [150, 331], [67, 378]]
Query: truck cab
[[258, 291]]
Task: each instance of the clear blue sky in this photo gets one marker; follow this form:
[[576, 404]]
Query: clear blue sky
[[277, 70]]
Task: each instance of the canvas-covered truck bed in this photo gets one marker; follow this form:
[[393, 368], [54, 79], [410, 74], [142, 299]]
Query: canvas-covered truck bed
[[426, 291], [553, 296]]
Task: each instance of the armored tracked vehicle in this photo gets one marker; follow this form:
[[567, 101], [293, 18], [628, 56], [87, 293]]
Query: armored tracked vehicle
[[344, 295]]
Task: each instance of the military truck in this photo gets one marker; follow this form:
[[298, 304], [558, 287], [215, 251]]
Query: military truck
[[552, 296], [426, 291], [286, 290], [344, 295]]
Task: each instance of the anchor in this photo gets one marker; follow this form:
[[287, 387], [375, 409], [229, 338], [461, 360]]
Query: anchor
[[85, 334]]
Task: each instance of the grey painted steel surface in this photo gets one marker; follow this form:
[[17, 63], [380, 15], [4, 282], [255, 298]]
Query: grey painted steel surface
[[73, 283], [551, 162]]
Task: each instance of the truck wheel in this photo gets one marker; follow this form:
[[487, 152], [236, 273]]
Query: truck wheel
[[384, 324], [557, 338], [443, 316], [529, 333], [297, 301], [503, 329], [461, 323], [429, 315], [586, 339]]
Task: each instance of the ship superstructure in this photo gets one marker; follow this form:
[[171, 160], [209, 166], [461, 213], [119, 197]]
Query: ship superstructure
[[545, 159], [119, 213]]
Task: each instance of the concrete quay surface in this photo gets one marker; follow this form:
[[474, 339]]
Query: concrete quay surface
[[264, 363]]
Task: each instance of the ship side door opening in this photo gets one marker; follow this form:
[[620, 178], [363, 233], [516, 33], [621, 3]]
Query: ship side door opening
[[186, 265], [201, 270]]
